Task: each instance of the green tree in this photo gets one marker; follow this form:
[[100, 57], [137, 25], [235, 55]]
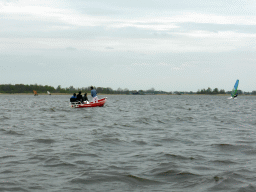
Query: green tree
[[209, 90], [215, 91], [222, 91], [58, 88], [119, 91]]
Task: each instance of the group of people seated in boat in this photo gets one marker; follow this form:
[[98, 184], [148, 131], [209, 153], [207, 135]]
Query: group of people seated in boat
[[84, 99], [79, 98]]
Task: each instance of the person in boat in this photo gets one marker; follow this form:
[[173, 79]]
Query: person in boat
[[85, 98], [79, 97], [73, 98], [94, 95]]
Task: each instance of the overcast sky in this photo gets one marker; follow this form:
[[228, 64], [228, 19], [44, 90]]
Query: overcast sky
[[168, 45]]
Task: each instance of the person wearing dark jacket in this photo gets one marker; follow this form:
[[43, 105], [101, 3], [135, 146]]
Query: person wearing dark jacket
[[79, 97], [85, 98], [73, 98]]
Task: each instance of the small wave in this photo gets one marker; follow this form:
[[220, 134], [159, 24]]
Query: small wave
[[202, 168], [247, 188], [111, 140], [161, 121], [224, 146], [81, 154], [179, 107], [4, 118], [238, 148], [63, 164], [179, 157], [88, 116], [139, 142], [11, 188], [52, 109], [245, 141], [217, 178], [47, 150], [85, 181], [143, 120], [187, 174], [92, 179], [177, 173], [36, 187], [6, 172], [224, 183], [169, 140], [184, 118], [55, 162], [7, 156], [82, 163], [13, 133], [46, 141], [103, 141], [112, 134], [249, 152], [43, 109], [168, 173], [120, 168], [127, 125], [223, 162], [37, 157], [141, 180]]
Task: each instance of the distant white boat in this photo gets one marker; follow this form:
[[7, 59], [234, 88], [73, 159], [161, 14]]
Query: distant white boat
[[48, 92]]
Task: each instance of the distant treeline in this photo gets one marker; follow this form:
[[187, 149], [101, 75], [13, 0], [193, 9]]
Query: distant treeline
[[21, 88], [210, 91]]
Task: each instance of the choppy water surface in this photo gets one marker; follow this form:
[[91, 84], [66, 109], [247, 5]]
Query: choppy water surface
[[133, 143]]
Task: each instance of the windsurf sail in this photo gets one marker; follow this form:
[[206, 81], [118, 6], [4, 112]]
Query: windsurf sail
[[234, 90], [48, 92]]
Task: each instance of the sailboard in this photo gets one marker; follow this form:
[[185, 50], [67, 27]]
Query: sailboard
[[234, 90], [48, 92]]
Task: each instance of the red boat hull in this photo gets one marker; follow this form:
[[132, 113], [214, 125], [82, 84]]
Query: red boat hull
[[100, 103]]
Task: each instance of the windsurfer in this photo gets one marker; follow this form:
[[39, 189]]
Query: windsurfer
[[94, 95], [235, 95]]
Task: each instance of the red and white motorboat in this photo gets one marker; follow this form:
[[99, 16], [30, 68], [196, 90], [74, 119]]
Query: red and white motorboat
[[100, 103]]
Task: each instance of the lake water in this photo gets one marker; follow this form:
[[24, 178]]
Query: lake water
[[133, 143]]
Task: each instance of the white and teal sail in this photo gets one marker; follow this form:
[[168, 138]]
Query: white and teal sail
[[234, 90]]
